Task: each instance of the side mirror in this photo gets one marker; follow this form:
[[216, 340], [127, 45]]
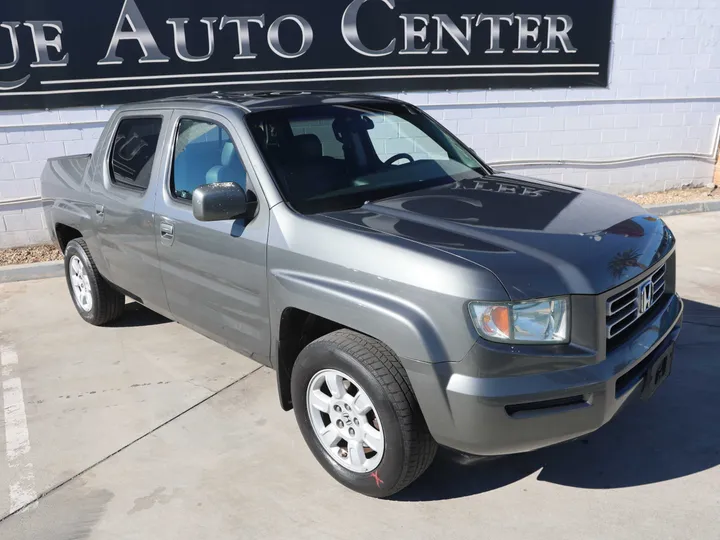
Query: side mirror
[[218, 202]]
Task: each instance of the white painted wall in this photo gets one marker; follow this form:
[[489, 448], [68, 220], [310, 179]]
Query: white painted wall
[[663, 99]]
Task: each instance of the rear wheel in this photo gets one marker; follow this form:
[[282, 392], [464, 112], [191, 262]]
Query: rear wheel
[[358, 414], [95, 299]]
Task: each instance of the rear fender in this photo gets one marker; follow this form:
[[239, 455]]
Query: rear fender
[[67, 201]]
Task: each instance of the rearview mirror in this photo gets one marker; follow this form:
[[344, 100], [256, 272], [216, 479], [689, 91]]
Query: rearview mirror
[[218, 202]]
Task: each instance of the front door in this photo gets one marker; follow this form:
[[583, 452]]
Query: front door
[[124, 214], [214, 272]]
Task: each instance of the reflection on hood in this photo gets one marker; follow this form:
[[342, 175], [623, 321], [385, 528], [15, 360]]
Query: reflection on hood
[[539, 238]]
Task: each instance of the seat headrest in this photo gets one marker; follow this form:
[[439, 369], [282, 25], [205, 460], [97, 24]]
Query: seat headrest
[[231, 170], [307, 146], [228, 154]]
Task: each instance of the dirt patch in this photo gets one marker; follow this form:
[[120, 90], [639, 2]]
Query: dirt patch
[[671, 196], [29, 254]]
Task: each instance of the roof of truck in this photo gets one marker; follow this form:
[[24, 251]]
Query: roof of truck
[[266, 100]]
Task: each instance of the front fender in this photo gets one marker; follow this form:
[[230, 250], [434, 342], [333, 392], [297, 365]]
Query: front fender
[[401, 324]]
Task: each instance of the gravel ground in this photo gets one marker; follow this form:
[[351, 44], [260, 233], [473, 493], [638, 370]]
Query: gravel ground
[[676, 196], [44, 253], [31, 254]]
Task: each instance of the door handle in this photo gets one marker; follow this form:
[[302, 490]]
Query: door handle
[[167, 233], [166, 229]]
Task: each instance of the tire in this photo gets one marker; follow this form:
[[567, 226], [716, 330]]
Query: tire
[[98, 302], [407, 446]]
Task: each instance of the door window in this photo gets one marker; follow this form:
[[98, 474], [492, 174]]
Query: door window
[[204, 154], [133, 152]]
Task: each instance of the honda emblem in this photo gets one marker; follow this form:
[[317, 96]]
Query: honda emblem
[[645, 297]]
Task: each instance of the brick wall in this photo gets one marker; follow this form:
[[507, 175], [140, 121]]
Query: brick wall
[[663, 101], [33, 138]]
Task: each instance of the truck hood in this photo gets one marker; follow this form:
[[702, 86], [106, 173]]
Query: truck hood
[[539, 238]]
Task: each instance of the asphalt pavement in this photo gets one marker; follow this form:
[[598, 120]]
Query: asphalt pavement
[[146, 430]]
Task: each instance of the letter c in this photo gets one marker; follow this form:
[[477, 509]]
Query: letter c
[[350, 31]]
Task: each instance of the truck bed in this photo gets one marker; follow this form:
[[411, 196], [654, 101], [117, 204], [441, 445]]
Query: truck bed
[[64, 192], [63, 173]]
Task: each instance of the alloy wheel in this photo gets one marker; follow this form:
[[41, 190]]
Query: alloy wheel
[[80, 284], [345, 421]]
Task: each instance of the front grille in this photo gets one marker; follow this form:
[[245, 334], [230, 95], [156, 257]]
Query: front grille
[[623, 308]]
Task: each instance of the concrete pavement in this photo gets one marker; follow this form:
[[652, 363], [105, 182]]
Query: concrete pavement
[[147, 430]]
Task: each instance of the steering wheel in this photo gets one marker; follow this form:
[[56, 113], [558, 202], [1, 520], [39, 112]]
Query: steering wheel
[[397, 157]]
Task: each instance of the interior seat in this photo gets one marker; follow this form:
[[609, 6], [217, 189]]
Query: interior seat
[[307, 172], [230, 169]]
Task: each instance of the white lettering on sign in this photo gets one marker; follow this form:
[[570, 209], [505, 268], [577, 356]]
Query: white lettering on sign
[[419, 34], [417, 25], [139, 32]]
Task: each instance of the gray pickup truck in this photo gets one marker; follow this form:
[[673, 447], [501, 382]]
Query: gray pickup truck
[[406, 294]]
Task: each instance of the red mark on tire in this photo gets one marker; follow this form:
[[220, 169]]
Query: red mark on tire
[[377, 479]]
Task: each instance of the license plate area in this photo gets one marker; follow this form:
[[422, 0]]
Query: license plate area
[[658, 371]]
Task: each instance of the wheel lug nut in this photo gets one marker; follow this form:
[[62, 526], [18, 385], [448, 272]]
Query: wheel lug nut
[[347, 407], [340, 424], [356, 421], [351, 431], [337, 408]]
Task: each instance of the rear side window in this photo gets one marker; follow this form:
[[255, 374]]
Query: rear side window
[[133, 152]]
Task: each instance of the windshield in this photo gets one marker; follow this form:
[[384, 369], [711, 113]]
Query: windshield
[[332, 157]]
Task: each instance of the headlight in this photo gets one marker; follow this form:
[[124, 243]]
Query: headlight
[[537, 321]]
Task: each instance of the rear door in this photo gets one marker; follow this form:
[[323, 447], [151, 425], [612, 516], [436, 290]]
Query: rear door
[[124, 210], [214, 272]]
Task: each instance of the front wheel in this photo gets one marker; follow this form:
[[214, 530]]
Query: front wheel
[[358, 414]]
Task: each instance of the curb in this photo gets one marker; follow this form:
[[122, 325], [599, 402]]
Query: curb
[[676, 209], [26, 272]]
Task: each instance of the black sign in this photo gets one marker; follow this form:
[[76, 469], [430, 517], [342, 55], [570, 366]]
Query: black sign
[[90, 52]]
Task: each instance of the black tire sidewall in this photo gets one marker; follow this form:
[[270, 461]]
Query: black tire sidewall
[[380, 482], [76, 249]]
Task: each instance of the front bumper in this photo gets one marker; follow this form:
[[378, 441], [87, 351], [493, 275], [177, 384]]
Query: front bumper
[[505, 415]]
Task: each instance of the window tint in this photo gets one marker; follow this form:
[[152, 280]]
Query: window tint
[[379, 149], [204, 154], [392, 135], [323, 130], [133, 152]]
